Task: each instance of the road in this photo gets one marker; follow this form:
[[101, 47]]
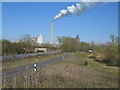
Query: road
[[9, 75]]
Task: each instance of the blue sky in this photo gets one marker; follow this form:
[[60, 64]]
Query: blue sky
[[34, 18]]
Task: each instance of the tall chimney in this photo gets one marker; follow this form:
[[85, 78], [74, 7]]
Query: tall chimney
[[52, 31]]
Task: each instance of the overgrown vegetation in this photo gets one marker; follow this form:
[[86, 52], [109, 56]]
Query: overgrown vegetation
[[69, 44], [68, 73], [15, 47], [107, 52], [25, 44]]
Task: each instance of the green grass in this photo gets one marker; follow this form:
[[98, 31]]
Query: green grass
[[96, 65], [80, 58]]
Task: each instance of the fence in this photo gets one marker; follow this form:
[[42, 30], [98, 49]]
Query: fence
[[20, 56]]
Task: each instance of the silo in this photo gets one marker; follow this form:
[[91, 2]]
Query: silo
[[40, 39]]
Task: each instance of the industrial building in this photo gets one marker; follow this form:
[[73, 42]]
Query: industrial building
[[40, 39]]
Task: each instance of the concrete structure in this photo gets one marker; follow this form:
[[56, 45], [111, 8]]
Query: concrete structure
[[40, 39], [40, 49]]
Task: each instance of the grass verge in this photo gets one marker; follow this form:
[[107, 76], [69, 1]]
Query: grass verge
[[70, 72], [24, 62]]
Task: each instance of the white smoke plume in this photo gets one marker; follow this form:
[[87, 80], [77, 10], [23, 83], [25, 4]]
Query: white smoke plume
[[77, 9]]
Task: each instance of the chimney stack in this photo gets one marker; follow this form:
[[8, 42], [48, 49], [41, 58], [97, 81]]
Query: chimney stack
[[52, 31]]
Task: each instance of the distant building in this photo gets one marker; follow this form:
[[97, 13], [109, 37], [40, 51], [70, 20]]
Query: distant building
[[40, 39]]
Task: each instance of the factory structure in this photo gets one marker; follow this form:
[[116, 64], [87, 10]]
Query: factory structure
[[40, 39], [52, 35]]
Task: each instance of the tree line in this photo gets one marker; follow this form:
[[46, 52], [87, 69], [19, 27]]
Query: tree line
[[70, 44], [26, 44], [107, 52]]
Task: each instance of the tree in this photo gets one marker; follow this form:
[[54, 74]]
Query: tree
[[61, 39], [78, 42], [77, 38], [111, 54], [33, 41], [84, 46], [25, 38], [112, 38], [15, 47], [69, 44]]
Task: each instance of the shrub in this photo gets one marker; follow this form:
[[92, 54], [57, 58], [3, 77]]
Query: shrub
[[111, 54]]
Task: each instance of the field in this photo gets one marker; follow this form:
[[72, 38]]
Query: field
[[70, 72]]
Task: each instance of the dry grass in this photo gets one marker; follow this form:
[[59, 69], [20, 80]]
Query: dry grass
[[65, 74], [80, 58], [84, 77], [0, 67]]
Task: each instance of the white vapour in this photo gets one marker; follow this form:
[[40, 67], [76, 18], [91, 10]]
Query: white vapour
[[77, 9]]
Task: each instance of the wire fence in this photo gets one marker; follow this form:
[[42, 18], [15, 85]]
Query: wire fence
[[20, 56]]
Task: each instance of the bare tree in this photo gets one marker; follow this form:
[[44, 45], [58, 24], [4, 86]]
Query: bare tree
[[25, 38]]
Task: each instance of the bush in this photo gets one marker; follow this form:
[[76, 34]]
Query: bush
[[111, 54], [108, 53], [15, 47]]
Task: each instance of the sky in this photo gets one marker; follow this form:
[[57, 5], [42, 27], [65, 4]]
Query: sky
[[34, 18]]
